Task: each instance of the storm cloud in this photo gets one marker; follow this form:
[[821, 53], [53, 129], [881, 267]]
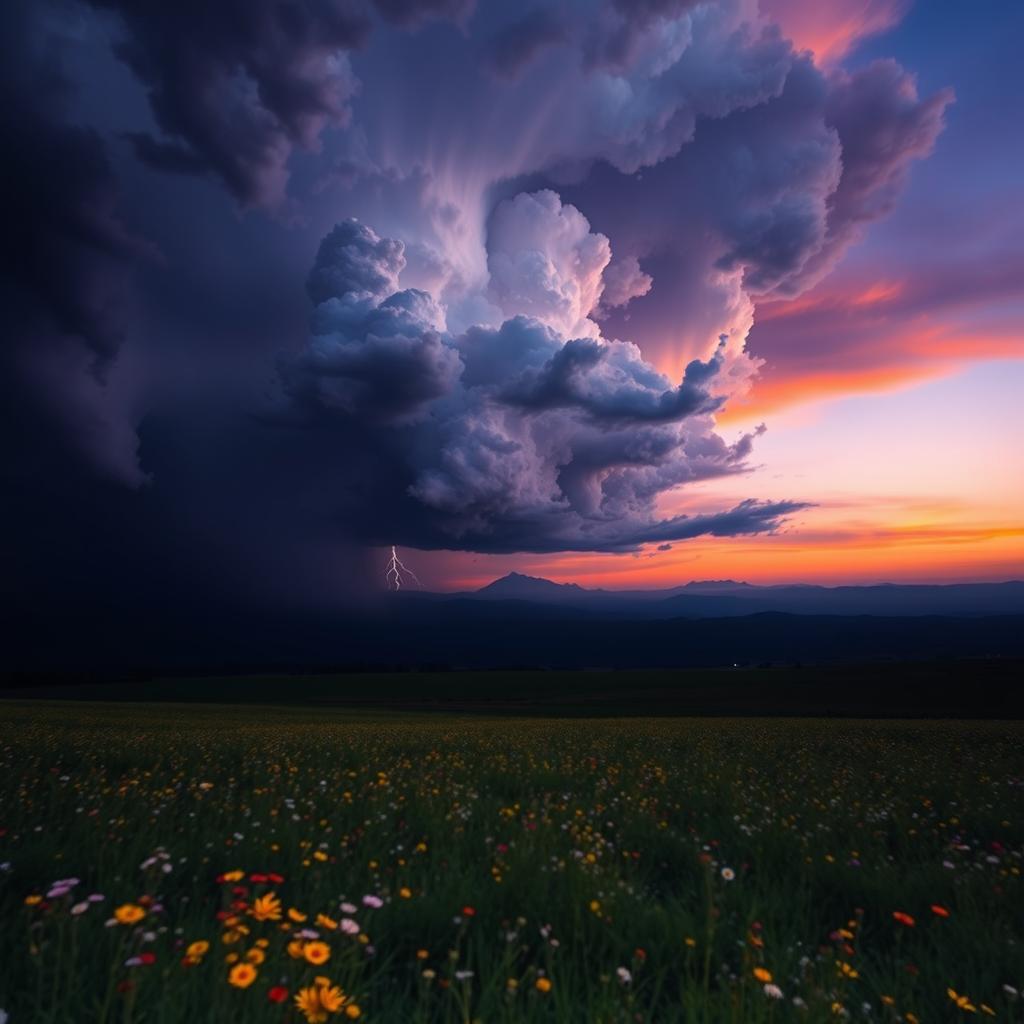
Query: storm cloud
[[532, 239], [520, 437]]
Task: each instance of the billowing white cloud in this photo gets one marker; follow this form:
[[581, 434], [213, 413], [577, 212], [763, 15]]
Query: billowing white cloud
[[544, 262]]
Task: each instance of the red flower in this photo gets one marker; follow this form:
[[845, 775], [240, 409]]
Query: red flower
[[147, 958], [275, 878], [278, 994], [257, 878], [939, 911], [902, 918], [468, 911]]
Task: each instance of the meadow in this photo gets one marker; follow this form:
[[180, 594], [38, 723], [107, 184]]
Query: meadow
[[173, 863]]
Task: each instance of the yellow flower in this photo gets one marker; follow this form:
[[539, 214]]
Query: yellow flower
[[690, 941], [31, 901], [352, 1011], [961, 1001], [295, 948], [266, 908], [242, 975], [296, 915], [762, 975], [129, 913], [405, 892], [317, 1002], [233, 876], [595, 905], [317, 953], [543, 984], [323, 921], [255, 955], [196, 949]]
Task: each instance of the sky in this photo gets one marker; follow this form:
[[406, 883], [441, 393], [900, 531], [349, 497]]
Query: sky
[[626, 294]]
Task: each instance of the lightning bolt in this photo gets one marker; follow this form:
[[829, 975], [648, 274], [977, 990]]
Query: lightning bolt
[[396, 570]]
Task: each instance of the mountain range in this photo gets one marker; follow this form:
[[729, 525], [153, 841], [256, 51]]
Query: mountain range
[[729, 598]]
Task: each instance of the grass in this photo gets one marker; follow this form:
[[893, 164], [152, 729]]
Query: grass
[[604, 870]]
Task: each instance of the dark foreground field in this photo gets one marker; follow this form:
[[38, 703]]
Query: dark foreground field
[[966, 688], [201, 863]]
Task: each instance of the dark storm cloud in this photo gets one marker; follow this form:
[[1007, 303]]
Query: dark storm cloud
[[235, 86], [621, 26], [66, 256], [354, 263], [64, 246], [611, 382], [883, 127], [513, 47], [511, 438], [412, 13], [483, 365]]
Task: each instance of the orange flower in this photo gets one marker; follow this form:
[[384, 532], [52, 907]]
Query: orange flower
[[317, 953], [543, 984], [902, 918], [129, 913], [266, 908], [318, 1001], [939, 911], [762, 975], [242, 975]]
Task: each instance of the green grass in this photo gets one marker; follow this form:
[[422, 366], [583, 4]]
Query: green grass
[[582, 848]]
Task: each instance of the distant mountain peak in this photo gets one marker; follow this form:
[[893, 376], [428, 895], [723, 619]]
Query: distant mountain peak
[[517, 584], [716, 585]]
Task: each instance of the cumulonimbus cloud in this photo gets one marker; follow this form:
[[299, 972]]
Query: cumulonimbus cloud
[[574, 208], [719, 165], [517, 437]]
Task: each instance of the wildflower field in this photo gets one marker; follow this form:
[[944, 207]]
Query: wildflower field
[[199, 863]]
